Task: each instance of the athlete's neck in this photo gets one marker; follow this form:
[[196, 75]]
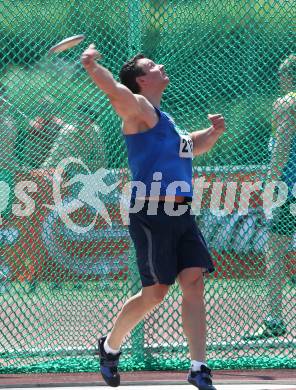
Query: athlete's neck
[[153, 98]]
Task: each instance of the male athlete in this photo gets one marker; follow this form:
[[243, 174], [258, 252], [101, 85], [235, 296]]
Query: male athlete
[[167, 246]]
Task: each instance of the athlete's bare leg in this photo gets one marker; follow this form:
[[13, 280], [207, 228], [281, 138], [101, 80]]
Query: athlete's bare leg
[[134, 311], [193, 311]]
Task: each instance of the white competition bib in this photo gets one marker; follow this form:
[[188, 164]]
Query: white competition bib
[[186, 146]]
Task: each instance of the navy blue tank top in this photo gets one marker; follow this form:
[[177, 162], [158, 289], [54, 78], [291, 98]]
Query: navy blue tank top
[[160, 160]]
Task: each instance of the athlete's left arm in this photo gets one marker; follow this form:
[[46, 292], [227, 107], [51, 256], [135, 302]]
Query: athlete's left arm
[[204, 140]]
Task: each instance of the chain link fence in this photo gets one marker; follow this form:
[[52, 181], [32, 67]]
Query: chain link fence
[[67, 264]]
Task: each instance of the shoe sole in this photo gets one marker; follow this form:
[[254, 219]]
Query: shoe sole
[[112, 383], [192, 382]]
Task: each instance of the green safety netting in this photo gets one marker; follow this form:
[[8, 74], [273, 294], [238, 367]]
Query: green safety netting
[[66, 269]]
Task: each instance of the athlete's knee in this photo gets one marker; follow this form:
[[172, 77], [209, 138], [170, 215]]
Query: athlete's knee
[[193, 291], [192, 285], [153, 295]]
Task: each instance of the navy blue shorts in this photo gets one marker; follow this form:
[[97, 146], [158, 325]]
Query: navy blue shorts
[[165, 245]]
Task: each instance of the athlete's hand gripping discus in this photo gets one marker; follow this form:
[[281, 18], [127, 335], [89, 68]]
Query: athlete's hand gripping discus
[[67, 43], [90, 55]]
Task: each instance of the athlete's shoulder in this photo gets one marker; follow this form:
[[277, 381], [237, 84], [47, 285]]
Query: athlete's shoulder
[[142, 100], [145, 105]]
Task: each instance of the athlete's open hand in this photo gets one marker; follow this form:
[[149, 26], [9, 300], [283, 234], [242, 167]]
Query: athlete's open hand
[[89, 56], [218, 123]]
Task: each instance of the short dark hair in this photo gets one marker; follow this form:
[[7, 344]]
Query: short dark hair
[[130, 71]]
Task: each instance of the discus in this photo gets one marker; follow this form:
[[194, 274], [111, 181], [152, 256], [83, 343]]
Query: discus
[[67, 43]]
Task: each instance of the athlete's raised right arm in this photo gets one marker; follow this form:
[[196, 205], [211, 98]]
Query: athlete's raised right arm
[[125, 103]]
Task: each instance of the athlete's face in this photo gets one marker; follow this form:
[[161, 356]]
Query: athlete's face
[[155, 76]]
